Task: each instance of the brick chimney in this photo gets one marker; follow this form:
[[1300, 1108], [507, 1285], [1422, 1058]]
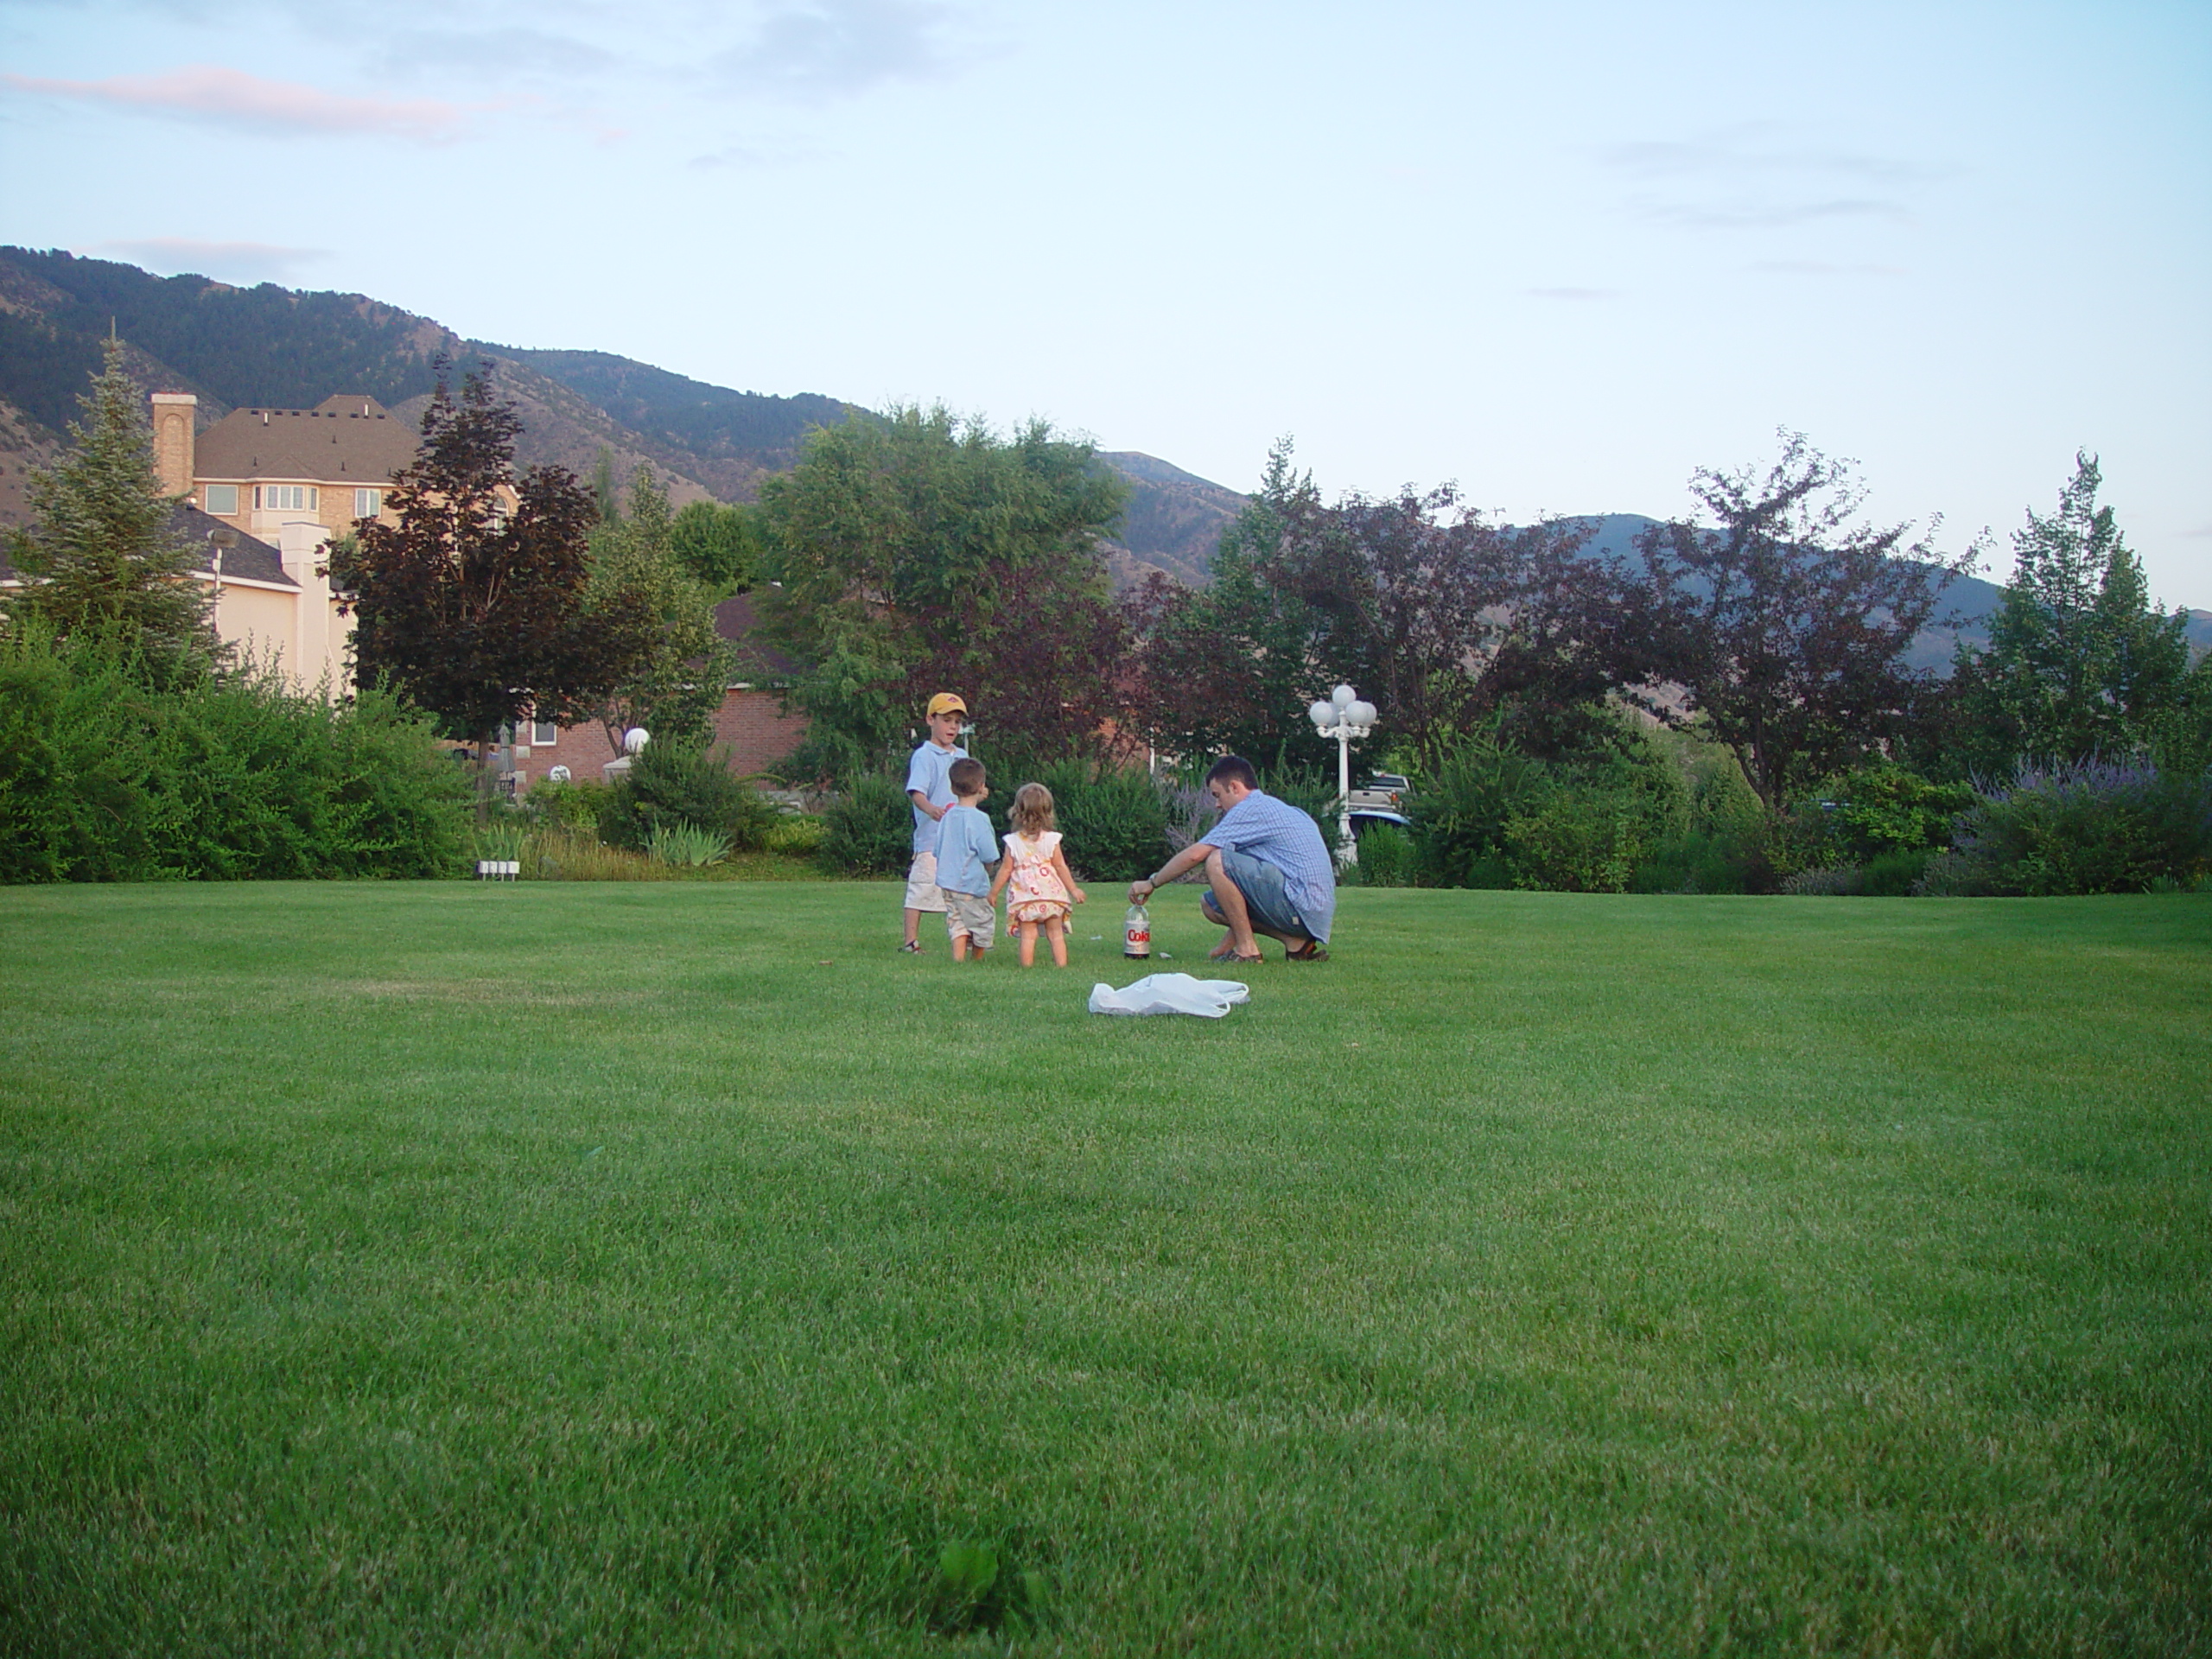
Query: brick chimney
[[174, 412]]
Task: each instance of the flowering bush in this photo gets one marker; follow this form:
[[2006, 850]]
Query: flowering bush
[[2088, 826]]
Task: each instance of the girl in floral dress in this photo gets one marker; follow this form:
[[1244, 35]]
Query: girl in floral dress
[[1035, 878]]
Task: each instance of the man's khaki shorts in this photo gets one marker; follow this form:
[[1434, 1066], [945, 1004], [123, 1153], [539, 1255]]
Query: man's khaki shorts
[[922, 890]]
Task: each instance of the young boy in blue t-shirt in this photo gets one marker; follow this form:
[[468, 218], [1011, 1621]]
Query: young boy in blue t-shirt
[[967, 852]]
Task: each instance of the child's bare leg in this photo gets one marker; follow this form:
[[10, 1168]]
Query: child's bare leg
[[1056, 930], [960, 947], [1028, 945]]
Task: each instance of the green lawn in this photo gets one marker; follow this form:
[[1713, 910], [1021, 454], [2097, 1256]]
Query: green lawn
[[661, 1269]]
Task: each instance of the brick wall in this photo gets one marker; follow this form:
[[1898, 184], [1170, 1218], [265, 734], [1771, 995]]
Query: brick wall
[[758, 732]]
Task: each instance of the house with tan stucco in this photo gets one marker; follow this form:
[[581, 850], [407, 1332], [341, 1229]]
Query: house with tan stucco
[[290, 480]]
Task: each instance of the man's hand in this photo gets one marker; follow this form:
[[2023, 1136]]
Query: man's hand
[[1140, 890]]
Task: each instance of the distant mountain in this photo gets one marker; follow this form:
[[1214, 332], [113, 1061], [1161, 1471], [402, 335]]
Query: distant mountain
[[277, 348], [1968, 604], [732, 439], [1173, 521]]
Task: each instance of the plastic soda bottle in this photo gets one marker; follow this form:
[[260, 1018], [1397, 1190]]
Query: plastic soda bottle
[[1136, 933]]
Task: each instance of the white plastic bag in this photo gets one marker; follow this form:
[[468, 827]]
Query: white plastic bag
[[1171, 993]]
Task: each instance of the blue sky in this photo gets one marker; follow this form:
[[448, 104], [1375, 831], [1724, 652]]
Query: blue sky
[[1562, 255]]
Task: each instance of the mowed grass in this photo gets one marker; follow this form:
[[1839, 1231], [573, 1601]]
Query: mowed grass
[[674, 1269]]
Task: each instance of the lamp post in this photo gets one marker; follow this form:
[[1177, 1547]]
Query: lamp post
[[1343, 718]]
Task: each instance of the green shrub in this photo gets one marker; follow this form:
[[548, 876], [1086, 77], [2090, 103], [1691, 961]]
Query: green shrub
[[108, 774], [1895, 874], [795, 836], [1490, 817], [674, 783], [869, 830], [2092, 826], [1459, 811], [1113, 817], [1385, 858], [1582, 837], [575, 805]]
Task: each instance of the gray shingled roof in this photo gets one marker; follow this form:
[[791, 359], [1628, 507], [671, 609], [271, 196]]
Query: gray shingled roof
[[344, 440], [757, 661], [252, 559]]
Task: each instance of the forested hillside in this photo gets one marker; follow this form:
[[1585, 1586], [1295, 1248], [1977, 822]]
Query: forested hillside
[[274, 347], [282, 348]]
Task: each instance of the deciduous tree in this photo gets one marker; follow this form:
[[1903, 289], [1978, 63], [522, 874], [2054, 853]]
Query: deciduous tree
[[475, 604], [917, 550], [682, 666], [1781, 620]]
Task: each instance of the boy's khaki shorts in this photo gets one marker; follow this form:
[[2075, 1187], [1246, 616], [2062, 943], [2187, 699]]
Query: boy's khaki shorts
[[922, 890], [968, 915]]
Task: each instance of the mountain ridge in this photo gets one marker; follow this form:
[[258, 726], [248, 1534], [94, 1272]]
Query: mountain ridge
[[276, 347]]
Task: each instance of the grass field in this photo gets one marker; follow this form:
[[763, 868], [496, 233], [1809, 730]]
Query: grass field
[[669, 1269]]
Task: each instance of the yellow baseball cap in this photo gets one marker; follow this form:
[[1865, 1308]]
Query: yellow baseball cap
[[946, 702]]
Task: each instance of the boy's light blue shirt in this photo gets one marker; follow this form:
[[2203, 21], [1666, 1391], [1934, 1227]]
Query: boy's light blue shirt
[[964, 845], [927, 772]]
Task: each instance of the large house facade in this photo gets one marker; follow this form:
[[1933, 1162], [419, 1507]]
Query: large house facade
[[266, 492], [291, 480]]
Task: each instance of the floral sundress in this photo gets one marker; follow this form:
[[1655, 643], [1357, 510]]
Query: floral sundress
[[1034, 891]]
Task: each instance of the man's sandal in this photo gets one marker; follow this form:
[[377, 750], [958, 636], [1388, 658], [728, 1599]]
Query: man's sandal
[[1310, 951]]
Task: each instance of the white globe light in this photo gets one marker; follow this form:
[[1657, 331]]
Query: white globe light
[[1344, 697], [1323, 715], [635, 738], [1361, 714]]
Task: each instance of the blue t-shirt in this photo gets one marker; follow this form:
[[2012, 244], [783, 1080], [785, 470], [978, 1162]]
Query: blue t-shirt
[[927, 772], [964, 845], [1277, 833]]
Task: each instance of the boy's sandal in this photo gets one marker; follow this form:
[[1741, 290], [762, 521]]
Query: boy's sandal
[[911, 948], [1312, 950]]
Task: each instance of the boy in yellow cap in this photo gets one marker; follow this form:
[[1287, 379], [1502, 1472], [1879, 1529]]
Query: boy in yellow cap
[[930, 788]]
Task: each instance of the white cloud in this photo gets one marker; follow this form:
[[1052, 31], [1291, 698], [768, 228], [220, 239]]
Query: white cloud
[[1757, 177], [823, 47], [210, 94]]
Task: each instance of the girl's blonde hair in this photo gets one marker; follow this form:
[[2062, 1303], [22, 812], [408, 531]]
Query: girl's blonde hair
[[1033, 810]]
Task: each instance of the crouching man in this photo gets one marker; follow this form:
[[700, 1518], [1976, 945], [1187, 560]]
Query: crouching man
[[1268, 871]]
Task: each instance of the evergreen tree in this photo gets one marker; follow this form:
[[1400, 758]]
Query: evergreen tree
[[102, 559], [2079, 661], [1231, 667]]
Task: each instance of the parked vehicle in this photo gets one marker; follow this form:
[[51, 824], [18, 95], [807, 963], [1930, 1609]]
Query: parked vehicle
[[1384, 792]]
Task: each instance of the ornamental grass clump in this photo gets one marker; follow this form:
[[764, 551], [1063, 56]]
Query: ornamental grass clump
[[686, 845]]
